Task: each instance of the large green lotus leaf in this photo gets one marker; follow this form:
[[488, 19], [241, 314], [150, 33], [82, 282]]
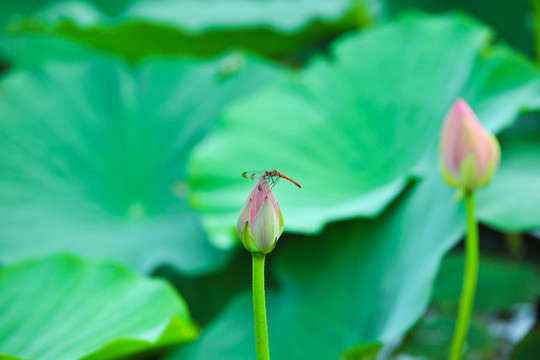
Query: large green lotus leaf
[[352, 129], [138, 28], [93, 156], [64, 308], [358, 282], [510, 202]]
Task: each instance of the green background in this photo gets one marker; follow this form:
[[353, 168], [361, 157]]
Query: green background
[[125, 126]]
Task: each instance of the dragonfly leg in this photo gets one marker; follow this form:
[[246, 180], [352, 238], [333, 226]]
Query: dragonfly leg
[[272, 181]]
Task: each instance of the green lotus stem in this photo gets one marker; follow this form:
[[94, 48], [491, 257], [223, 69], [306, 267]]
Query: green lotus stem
[[536, 13], [470, 276], [259, 308]]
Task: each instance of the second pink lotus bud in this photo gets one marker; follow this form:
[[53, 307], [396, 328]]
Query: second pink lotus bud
[[469, 153]]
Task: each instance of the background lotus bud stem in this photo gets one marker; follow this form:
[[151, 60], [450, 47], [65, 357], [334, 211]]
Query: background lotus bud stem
[[259, 308], [470, 277], [470, 156]]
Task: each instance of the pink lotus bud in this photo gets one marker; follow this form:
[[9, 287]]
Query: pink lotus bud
[[260, 222], [469, 153]]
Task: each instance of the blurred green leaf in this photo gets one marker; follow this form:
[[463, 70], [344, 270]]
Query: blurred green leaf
[[512, 20], [510, 202], [529, 347], [358, 282], [93, 156], [208, 294], [10, 9], [64, 308], [431, 339], [362, 352], [138, 28], [352, 129], [32, 50], [501, 283]]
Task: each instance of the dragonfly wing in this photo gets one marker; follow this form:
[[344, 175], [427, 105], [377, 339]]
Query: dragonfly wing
[[253, 175]]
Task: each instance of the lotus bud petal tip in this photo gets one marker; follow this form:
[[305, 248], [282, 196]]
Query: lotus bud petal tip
[[470, 154], [260, 222]]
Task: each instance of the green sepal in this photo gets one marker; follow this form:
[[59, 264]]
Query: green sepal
[[250, 244], [248, 240], [448, 177], [281, 223]]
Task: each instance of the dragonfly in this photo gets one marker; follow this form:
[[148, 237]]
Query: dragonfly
[[272, 176]]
